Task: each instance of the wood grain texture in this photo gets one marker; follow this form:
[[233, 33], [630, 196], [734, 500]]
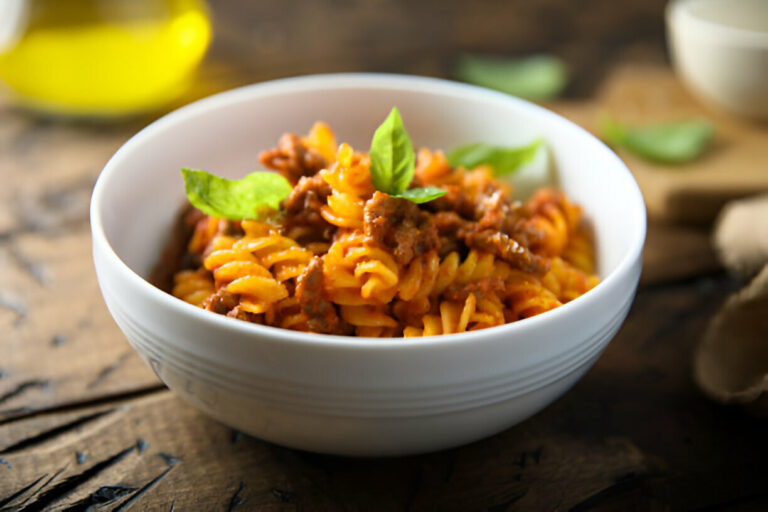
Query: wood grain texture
[[271, 39], [634, 430], [736, 164], [59, 344], [84, 425], [501, 470], [673, 253]]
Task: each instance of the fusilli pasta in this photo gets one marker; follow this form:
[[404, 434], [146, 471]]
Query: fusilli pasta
[[342, 258]]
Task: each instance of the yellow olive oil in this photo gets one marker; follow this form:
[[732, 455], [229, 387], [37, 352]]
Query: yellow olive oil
[[103, 57]]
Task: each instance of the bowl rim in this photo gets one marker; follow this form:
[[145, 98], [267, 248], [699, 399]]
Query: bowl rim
[[373, 81], [680, 17]]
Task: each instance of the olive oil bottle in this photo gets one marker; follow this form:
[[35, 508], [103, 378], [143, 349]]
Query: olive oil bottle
[[100, 57]]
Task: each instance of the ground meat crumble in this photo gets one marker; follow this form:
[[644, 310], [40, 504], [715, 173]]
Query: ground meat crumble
[[400, 226], [292, 159]]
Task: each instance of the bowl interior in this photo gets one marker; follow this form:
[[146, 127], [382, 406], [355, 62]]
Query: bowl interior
[[737, 14], [141, 188], [741, 24]]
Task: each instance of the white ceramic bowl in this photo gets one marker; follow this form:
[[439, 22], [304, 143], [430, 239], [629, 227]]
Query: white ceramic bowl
[[347, 395], [720, 49]]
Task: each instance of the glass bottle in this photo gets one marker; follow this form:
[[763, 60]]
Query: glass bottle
[[100, 57]]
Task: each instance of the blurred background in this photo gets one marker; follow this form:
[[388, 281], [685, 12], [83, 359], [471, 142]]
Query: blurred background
[[139, 54], [273, 39], [80, 77]]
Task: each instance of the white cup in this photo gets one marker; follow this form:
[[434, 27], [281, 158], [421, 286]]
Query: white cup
[[720, 50]]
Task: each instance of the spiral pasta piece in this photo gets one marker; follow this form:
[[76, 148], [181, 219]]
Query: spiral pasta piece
[[432, 167], [238, 272], [580, 250], [566, 281], [527, 297], [475, 266], [205, 230], [357, 274], [458, 316], [287, 314], [369, 320], [350, 181], [321, 139], [343, 258], [555, 217], [419, 278], [193, 286]]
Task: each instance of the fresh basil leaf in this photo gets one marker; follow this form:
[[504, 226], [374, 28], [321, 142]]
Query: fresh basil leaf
[[535, 78], [504, 160], [392, 156], [393, 162], [672, 143], [247, 198], [421, 194]]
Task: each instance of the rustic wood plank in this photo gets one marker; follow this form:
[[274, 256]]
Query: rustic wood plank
[[206, 465], [675, 252], [633, 431], [59, 343], [690, 193], [270, 39], [672, 251], [733, 167]]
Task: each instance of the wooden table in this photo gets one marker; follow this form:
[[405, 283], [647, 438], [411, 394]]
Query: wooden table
[[83, 423]]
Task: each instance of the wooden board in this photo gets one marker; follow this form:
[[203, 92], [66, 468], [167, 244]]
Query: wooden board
[[70, 383], [220, 465], [633, 431], [736, 164], [58, 344], [673, 253]]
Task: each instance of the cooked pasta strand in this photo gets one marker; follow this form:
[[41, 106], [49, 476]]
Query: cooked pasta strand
[[357, 261]]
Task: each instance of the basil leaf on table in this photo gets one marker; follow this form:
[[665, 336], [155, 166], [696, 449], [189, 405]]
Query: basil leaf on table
[[393, 162], [247, 198], [673, 143], [535, 78], [504, 160], [421, 194]]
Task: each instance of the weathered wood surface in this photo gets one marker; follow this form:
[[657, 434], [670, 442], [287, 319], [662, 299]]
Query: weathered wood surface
[[58, 344], [270, 39], [634, 433], [634, 430], [733, 166], [519, 465]]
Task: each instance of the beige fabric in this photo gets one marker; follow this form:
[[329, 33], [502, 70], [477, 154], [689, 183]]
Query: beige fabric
[[731, 362]]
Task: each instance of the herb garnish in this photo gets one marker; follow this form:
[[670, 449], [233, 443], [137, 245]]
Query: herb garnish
[[392, 169], [247, 198], [393, 162], [503, 160], [535, 78], [672, 143]]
